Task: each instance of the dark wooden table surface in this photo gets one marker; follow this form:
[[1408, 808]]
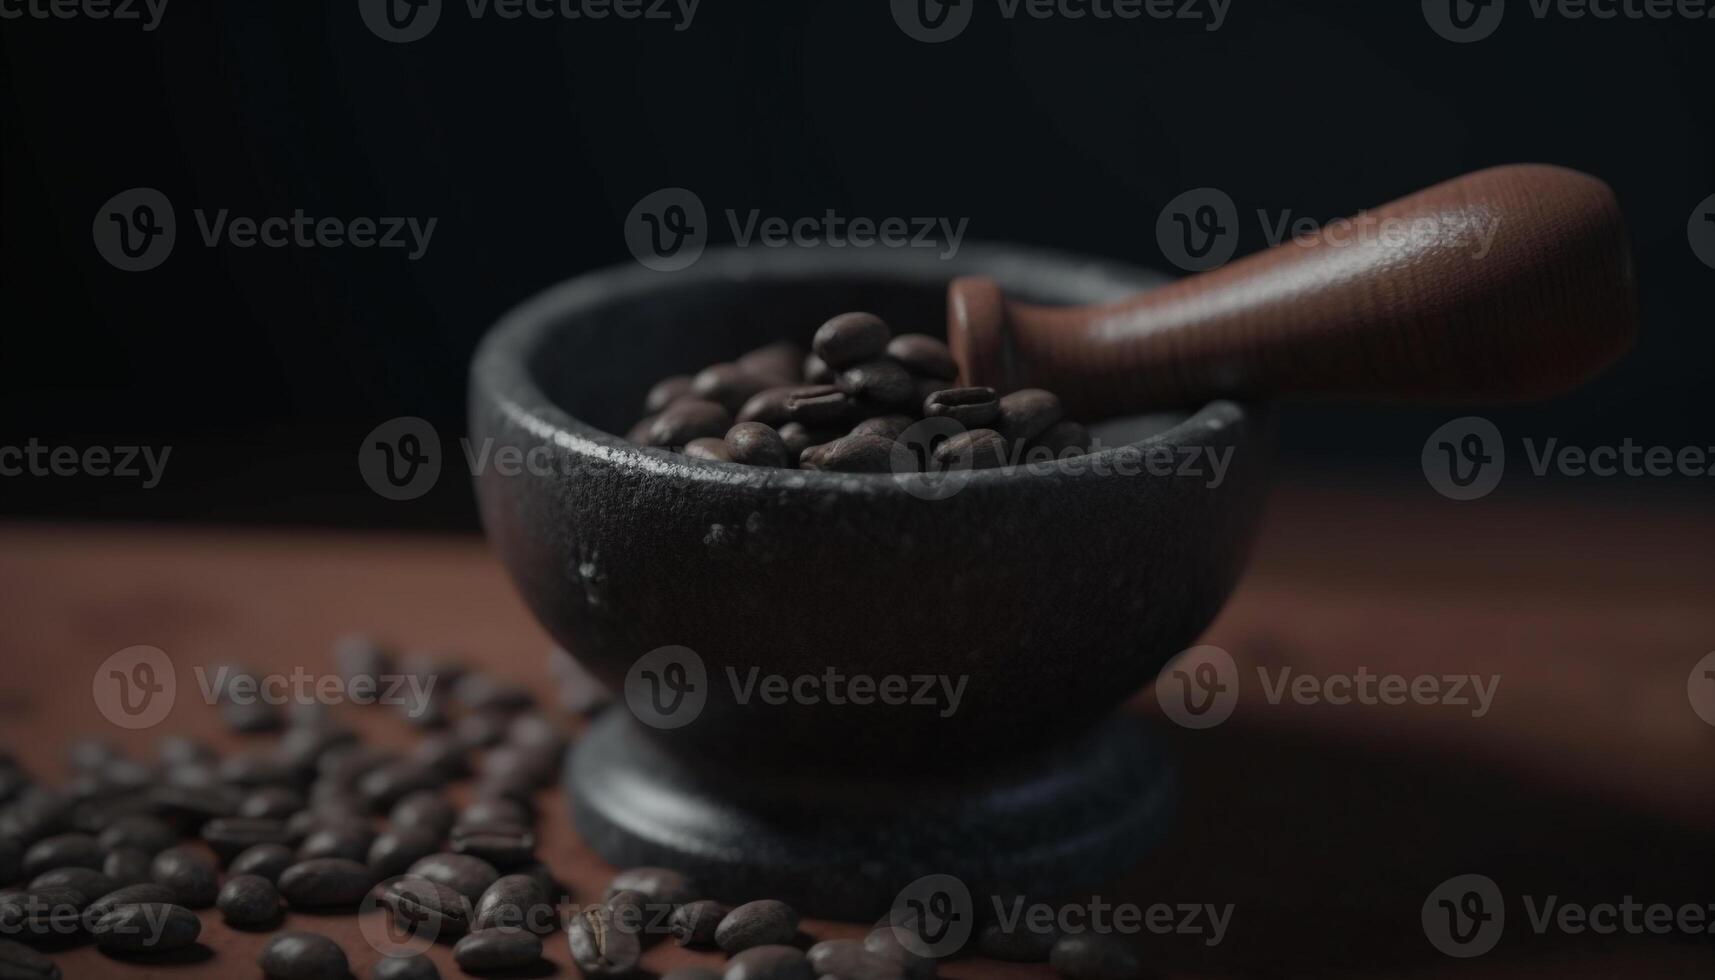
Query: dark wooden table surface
[[1325, 827]]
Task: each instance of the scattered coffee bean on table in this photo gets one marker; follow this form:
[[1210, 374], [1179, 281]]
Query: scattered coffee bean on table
[[127, 866], [1094, 956], [263, 860], [191, 876], [324, 883], [20, 962], [600, 946], [303, 956], [773, 962], [467, 875], [248, 901], [662, 886], [63, 851], [152, 928], [499, 948], [519, 901], [416, 967], [766, 922], [848, 960], [394, 851], [426, 909], [693, 924], [147, 893]]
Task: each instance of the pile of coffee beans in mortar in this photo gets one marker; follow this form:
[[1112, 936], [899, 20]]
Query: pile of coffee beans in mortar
[[844, 406], [315, 821]]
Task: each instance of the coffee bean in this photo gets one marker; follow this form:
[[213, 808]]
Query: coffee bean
[[303, 956], [797, 438], [816, 371], [851, 338], [755, 444], [151, 928], [1027, 413], [424, 810], [600, 946], [517, 771], [1063, 439], [772, 962], [687, 419], [766, 922], [89, 753], [389, 784], [923, 355], [191, 876], [851, 454], [846, 959], [179, 750], [147, 893], [191, 807], [251, 717], [544, 878], [350, 841], [467, 875], [887, 426], [43, 914], [249, 770], [884, 942], [63, 851], [426, 909], [89, 881], [499, 809], [729, 385], [710, 448], [780, 361], [500, 948], [768, 406], [500, 844], [20, 962], [516, 900], [445, 753], [228, 836], [248, 900], [662, 886], [536, 732], [667, 391], [1021, 944], [638, 914], [693, 973], [977, 449], [36, 813], [271, 803], [396, 850], [263, 860], [481, 730], [880, 382], [1094, 956], [970, 407], [326, 883], [346, 765], [815, 405], [693, 923], [127, 866], [416, 967]]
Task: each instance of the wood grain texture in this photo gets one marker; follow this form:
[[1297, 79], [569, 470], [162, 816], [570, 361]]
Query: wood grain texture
[[1503, 285]]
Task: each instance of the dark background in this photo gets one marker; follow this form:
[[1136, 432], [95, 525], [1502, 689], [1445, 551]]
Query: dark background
[[531, 140]]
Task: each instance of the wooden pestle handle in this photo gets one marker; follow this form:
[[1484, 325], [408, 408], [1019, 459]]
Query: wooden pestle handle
[[1501, 285]]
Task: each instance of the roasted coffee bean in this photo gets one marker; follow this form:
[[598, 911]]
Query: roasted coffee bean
[[972, 408], [389, 784], [516, 900], [20, 962], [659, 886], [36, 813], [851, 338], [500, 948], [1027, 413], [544, 878], [326, 883], [191, 876], [600, 946], [345, 765], [502, 845], [666, 391], [179, 750], [884, 941], [251, 717], [780, 361], [768, 406], [127, 866], [887, 426], [248, 900], [87, 881], [1021, 944], [923, 355], [709, 448], [692, 973], [767, 922], [396, 850], [11, 861], [271, 803], [350, 841], [880, 382], [303, 956], [152, 928], [229, 836], [193, 806], [63, 851], [535, 731], [250, 770], [815, 405], [499, 809], [729, 385], [263, 860], [424, 810], [687, 419], [1063, 439], [772, 962], [694, 923], [416, 967], [445, 753], [846, 959], [300, 752], [929, 387], [755, 444], [851, 454], [89, 753], [426, 909], [147, 893], [816, 371], [467, 875], [43, 913], [517, 771], [977, 449], [1094, 956], [797, 438]]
